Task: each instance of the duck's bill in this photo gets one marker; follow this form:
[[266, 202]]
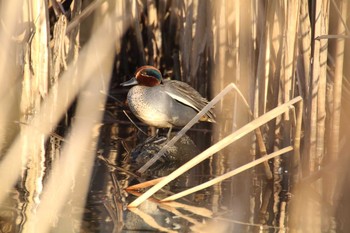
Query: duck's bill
[[130, 82]]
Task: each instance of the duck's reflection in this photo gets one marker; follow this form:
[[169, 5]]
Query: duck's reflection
[[182, 151]]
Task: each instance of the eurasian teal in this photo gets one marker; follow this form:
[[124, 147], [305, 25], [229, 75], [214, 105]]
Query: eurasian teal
[[163, 103]]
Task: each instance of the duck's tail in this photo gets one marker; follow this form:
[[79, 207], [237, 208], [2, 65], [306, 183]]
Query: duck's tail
[[209, 117]]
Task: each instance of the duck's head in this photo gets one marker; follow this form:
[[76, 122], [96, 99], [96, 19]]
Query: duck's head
[[145, 76]]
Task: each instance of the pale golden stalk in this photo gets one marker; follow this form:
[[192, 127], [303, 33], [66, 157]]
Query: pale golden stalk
[[145, 184]]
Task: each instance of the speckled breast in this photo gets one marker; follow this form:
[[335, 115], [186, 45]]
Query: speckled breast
[[149, 105]]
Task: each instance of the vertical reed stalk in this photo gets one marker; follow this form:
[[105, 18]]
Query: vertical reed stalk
[[34, 88], [338, 78], [321, 101], [334, 138], [313, 91]]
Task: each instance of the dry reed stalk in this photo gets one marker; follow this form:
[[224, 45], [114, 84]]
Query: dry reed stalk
[[39, 47], [245, 71], [222, 56], [178, 214], [334, 137], [10, 32], [276, 18], [313, 93], [340, 11], [88, 10], [137, 194], [136, 20], [304, 49], [58, 51], [312, 102], [321, 99], [237, 37], [289, 48], [34, 88], [258, 134], [220, 50], [189, 208], [70, 170], [13, 36], [262, 80], [154, 34], [338, 78], [263, 152], [283, 213], [333, 37], [200, 39], [144, 184], [57, 63], [246, 67], [276, 57], [277, 130], [175, 31], [186, 41], [227, 175], [264, 206], [291, 28], [217, 147], [296, 141], [263, 66], [321, 114]]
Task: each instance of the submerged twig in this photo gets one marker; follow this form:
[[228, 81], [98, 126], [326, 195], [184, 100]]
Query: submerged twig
[[110, 96], [127, 115], [110, 164]]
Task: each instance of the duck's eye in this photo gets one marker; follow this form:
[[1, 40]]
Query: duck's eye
[[148, 73], [144, 73]]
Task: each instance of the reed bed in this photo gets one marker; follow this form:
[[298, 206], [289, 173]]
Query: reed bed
[[62, 60]]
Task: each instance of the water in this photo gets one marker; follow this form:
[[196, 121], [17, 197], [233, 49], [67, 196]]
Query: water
[[239, 204], [226, 207]]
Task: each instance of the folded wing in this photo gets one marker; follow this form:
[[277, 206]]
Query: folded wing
[[187, 95]]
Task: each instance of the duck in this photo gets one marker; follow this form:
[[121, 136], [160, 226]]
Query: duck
[[163, 103]]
